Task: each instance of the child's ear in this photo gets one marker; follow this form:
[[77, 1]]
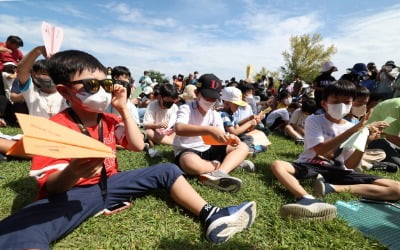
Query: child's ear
[[324, 105], [63, 90]]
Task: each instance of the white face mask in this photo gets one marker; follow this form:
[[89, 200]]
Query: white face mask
[[204, 104], [338, 111], [359, 111], [95, 102], [287, 101]]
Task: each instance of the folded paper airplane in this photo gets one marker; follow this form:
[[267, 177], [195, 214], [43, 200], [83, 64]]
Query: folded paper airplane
[[47, 138], [52, 38], [359, 139]]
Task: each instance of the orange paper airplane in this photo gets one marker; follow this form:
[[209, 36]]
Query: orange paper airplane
[[47, 138]]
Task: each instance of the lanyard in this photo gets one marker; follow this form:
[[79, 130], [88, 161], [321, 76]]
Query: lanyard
[[103, 176]]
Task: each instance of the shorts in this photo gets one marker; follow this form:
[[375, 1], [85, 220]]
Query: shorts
[[214, 153], [332, 174]]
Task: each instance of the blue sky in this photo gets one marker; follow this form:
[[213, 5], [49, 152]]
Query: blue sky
[[210, 36]]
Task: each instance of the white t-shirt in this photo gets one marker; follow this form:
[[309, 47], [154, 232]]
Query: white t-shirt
[[7, 82], [319, 129], [242, 113], [40, 103], [282, 113], [155, 114], [298, 118], [189, 114]]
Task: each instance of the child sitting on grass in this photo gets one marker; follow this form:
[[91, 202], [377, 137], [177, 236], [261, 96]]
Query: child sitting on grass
[[72, 190], [196, 119], [323, 136], [295, 128], [232, 100]]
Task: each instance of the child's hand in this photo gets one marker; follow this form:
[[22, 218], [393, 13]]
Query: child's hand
[[218, 134], [364, 120], [163, 124], [233, 140], [374, 133], [86, 167], [378, 125], [119, 97]]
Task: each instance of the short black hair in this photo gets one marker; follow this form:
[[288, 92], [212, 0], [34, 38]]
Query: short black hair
[[340, 88], [16, 40], [309, 106], [40, 66], [168, 90], [63, 65], [362, 92], [283, 94], [119, 71], [294, 105]]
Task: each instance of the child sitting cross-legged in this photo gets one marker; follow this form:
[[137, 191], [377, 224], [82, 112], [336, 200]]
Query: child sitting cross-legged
[[323, 136], [212, 163], [232, 100]]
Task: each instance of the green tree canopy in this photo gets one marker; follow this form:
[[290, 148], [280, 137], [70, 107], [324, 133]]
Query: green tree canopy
[[158, 76], [305, 58]]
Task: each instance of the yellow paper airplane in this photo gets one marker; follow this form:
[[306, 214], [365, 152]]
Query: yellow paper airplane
[[47, 138]]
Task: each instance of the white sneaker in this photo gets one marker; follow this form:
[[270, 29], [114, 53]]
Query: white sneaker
[[221, 181], [247, 165]]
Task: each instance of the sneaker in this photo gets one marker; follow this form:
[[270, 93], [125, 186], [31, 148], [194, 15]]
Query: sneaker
[[309, 209], [321, 188], [221, 181], [385, 166], [154, 153], [247, 165], [228, 221], [299, 141]]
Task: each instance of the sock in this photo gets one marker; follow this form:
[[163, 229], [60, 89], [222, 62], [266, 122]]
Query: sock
[[207, 211], [308, 196]]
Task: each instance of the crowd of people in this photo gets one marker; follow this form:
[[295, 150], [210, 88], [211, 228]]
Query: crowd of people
[[208, 122]]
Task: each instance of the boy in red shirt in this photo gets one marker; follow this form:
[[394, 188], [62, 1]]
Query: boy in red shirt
[[9, 51], [72, 190]]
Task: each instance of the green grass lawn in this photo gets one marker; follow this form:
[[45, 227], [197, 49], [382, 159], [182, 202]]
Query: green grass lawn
[[156, 222]]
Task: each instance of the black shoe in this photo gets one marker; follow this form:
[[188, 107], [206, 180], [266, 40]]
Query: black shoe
[[385, 166]]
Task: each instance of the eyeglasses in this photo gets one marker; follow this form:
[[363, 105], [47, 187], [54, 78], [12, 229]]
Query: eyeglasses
[[92, 86]]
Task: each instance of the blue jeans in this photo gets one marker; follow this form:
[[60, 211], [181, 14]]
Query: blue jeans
[[48, 219]]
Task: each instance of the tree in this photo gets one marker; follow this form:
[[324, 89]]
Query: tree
[[267, 73], [156, 75], [306, 56]]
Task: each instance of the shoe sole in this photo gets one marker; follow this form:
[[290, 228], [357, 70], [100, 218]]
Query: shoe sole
[[296, 211], [319, 188], [224, 228], [226, 184]]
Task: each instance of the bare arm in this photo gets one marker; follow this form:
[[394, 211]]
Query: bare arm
[[17, 98], [61, 181], [25, 65], [132, 132], [238, 130]]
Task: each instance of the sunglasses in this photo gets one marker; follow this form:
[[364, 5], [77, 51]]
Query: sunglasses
[[92, 86]]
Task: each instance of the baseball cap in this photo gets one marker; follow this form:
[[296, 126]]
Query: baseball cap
[[390, 63], [234, 95], [328, 65], [360, 69], [209, 86]]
